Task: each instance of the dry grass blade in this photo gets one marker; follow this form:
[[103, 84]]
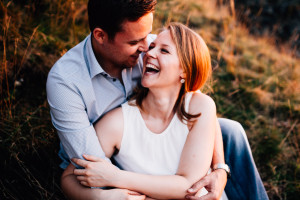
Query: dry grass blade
[[288, 133], [28, 45]]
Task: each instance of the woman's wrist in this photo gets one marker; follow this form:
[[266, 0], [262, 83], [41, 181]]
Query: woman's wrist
[[110, 175], [120, 179]]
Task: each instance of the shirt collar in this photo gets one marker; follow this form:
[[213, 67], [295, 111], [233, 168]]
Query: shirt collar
[[92, 63]]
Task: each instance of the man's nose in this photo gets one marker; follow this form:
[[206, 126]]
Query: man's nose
[[143, 45]]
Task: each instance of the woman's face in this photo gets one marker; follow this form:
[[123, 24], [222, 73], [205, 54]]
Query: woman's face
[[161, 63]]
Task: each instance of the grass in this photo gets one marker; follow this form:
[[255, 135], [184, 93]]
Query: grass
[[256, 83]]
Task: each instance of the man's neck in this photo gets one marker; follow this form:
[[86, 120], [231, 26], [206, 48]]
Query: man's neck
[[109, 67]]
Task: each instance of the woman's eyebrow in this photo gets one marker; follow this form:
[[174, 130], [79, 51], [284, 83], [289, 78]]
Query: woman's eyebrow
[[165, 45]]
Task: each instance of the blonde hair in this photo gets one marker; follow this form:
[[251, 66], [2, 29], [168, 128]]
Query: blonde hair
[[195, 61]]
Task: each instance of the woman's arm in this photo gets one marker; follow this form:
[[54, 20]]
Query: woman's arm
[[109, 131], [74, 190], [194, 163], [195, 159], [215, 181]]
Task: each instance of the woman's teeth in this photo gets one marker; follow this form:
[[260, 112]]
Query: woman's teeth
[[151, 68]]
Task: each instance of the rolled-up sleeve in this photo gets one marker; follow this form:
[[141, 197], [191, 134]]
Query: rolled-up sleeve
[[69, 117]]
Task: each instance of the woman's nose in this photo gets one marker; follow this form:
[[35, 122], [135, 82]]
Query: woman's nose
[[151, 52]]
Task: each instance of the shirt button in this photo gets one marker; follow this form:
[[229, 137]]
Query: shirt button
[[114, 79]]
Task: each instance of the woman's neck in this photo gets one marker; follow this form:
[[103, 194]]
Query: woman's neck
[[159, 104]]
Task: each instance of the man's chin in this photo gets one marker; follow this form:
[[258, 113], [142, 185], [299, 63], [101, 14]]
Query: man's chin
[[131, 63]]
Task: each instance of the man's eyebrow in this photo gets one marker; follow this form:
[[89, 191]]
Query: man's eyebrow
[[132, 41]]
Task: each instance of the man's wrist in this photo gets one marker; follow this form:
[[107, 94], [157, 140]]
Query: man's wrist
[[224, 167]]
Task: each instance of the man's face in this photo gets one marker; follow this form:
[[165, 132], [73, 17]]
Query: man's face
[[124, 49]]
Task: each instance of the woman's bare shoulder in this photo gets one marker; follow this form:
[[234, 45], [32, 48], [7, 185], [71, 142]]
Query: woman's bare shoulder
[[111, 122], [201, 103]]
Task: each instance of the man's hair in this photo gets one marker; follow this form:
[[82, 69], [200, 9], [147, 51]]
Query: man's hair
[[109, 15]]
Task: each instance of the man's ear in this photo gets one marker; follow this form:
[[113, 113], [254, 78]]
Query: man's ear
[[100, 35]]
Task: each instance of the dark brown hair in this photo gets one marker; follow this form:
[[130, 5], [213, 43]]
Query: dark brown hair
[[110, 14]]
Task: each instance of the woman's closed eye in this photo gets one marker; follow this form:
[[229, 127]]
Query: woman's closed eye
[[164, 50]]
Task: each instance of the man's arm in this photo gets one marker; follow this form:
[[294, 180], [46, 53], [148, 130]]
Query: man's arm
[[69, 117], [218, 155], [73, 190], [78, 137]]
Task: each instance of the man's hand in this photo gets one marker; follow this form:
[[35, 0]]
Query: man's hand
[[97, 173], [214, 183], [121, 194]]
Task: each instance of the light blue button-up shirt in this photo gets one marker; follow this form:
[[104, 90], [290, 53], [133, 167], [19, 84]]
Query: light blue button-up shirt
[[80, 92]]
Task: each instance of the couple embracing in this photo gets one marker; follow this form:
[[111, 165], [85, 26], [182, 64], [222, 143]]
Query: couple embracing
[[165, 138]]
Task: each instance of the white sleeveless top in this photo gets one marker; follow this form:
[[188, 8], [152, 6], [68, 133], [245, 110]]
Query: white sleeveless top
[[143, 151]]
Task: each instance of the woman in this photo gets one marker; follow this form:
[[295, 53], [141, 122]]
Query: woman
[[168, 128]]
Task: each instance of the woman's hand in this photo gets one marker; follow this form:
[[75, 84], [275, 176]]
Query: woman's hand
[[97, 173]]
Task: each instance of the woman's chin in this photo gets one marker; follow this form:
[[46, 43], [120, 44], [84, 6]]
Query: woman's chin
[[147, 81], [145, 84]]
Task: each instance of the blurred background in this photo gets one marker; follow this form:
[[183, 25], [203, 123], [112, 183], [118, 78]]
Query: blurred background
[[255, 46]]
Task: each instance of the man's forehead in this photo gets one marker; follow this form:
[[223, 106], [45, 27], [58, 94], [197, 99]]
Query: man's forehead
[[138, 30], [133, 36]]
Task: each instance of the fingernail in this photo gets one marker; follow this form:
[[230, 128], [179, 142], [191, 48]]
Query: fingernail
[[191, 190]]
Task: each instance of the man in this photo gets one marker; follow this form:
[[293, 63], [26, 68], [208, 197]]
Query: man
[[100, 73]]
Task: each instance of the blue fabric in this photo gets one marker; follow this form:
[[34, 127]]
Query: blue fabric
[[79, 92], [245, 182]]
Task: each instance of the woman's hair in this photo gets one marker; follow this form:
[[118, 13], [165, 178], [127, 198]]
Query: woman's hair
[[194, 58]]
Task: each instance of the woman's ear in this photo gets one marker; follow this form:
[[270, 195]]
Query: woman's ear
[[183, 75], [100, 35]]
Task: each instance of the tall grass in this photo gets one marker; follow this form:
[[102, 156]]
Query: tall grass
[[34, 34], [255, 84]]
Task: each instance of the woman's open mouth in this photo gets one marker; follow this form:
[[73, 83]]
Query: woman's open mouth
[[151, 69]]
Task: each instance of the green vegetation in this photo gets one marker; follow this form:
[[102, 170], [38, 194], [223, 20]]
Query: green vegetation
[[255, 84]]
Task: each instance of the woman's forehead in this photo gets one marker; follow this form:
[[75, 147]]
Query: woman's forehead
[[164, 38]]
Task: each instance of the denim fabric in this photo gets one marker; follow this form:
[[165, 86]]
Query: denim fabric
[[245, 182]]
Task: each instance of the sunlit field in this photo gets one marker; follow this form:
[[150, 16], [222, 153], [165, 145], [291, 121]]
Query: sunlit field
[[255, 82]]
